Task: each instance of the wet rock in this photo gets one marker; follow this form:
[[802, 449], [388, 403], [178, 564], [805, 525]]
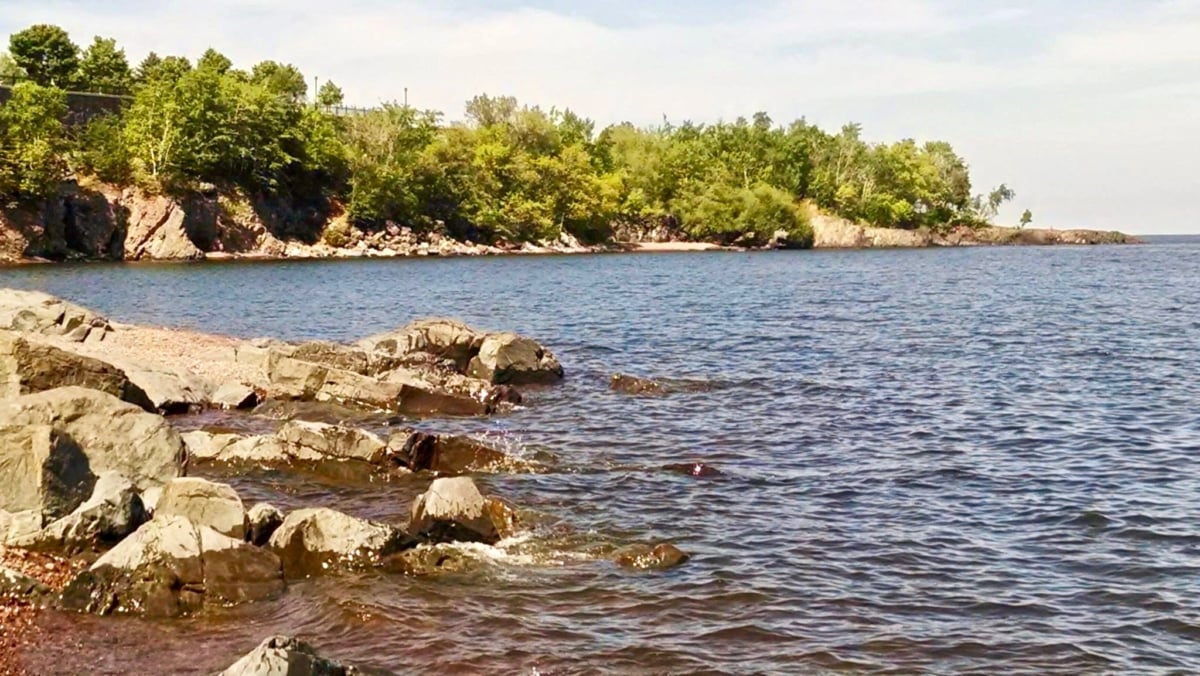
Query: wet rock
[[235, 396], [114, 435], [427, 560], [262, 521], [204, 503], [645, 557], [453, 510], [628, 384], [37, 312], [28, 366], [286, 656], [42, 469], [15, 585], [513, 359], [312, 541], [442, 338], [696, 469], [171, 567], [113, 511], [442, 454], [303, 439]]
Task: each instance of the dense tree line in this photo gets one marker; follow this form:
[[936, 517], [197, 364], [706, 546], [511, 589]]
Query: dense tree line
[[506, 171]]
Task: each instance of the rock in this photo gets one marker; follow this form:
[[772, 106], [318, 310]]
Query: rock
[[113, 511], [286, 656], [696, 469], [331, 441], [203, 445], [37, 312], [27, 366], [204, 503], [645, 557], [156, 231], [447, 455], [442, 338], [312, 541], [235, 396], [170, 391], [43, 469], [114, 435], [453, 510], [262, 521], [513, 359], [171, 567], [14, 585], [427, 560], [628, 384]]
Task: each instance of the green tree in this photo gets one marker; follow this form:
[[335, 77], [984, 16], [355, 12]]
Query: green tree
[[1026, 218], [32, 141], [283, 80], [46, 54], [104, 68], [330, 94], [215, 61], [10, 72]]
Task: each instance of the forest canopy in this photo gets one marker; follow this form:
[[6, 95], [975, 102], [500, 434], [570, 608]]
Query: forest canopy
[[506, 171]]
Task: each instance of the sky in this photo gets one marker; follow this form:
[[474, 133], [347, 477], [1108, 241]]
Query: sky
[[1088, 109]]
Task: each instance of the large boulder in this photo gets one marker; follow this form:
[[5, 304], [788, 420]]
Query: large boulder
[[445, 454], [114, 435], [113, 511], [28, 366], [235, 448], [43, 469], [171, 567], [302, 438], [447, 339], [311, 541], [169, 390], [453, 510], [37, 312], [204, 503], [286, 656], [509, 358]]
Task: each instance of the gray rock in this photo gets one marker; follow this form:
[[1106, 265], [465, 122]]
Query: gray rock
[[171, 567], [302, 439], [115, 435], [508, 358], [262, 521], [286, 656], [453, 510], [42, 468], [441, 338], [235, 396], [204, 503], [223, 447], [37, 312], [113, 511], [28, 365], [312, 541], [15, 585]]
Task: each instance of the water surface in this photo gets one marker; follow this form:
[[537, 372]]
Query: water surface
[[967, 460]]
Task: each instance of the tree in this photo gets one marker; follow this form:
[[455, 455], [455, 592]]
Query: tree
[[330, 95], [46, 54], [283, 80], [10, 72], [215, 61], [34, 142], [104, 68], [1026, 218]]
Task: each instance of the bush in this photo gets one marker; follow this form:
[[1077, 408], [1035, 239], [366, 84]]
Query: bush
[[101, 151]]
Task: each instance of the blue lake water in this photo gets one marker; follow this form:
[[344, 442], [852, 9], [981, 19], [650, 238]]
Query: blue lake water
[[959, 460]]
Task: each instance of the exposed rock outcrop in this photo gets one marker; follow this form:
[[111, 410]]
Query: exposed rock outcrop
[[172, 567], [43, 469], [286, 656], [113, 511], [37, 312], [235, 396], [306, 439], [28, 365], [112, 434], [204, 503], [453, 510], [508, 358], [313, 541]]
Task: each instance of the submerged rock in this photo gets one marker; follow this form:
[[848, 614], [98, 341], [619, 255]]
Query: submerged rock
[[313, 541], [112, 434], [286, 656], [204, 503], [645, 557], [509, 358], [171, 567], [437, 559], [627, 384], [453, 510]]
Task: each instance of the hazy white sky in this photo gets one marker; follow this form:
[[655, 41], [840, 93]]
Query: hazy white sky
[[1089, 109]]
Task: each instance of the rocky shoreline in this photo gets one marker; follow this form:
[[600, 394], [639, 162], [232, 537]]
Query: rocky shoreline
[[99, 222], [103, 508]]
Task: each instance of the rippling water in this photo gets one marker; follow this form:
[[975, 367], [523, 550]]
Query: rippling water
[[968, 460]]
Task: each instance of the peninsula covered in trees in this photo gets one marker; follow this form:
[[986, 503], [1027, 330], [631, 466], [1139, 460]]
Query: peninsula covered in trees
[[507, 171]]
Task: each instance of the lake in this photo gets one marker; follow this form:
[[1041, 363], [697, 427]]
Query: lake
[[955, 460]]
